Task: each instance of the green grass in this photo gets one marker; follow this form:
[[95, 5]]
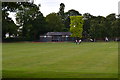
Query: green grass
[[60, 60]]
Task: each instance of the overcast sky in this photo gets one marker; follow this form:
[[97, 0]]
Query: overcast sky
[[94, 7]]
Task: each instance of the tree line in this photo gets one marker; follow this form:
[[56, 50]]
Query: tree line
[[30, 22]]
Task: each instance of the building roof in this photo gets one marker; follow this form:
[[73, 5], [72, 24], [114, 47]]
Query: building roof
[[58, 33]]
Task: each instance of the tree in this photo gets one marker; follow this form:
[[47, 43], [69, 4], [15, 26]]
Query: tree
[[73, 12], [39, 26], [118, 24], [67, 15], [8, 25], [61, 10], [86, 26], [110, 24], [54, 23], [31, 20], [67, 23], [10, 6], [76, 26], [115, 26], [97, 27]]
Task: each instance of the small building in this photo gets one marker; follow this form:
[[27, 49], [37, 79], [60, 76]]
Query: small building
[[56, 36]]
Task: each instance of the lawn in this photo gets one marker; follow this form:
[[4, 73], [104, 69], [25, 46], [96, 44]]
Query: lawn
[[60, 60]]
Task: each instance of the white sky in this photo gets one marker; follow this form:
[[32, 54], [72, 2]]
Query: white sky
[[94, 7]]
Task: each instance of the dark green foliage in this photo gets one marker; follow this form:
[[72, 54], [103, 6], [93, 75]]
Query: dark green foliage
[[61, 10], [10, 6], [31, 20], [86, 26], [110, 24], [8, 25], [73, 12], [97, 27], [100, 27], [54, 23]]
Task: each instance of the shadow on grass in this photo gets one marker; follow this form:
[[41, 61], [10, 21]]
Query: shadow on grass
[[25, 74]]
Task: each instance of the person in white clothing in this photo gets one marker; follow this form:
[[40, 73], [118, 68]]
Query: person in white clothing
[[106, 39], [79, 41]]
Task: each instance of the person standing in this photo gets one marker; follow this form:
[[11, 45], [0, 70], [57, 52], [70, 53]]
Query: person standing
[[78, 41], [106, 39]]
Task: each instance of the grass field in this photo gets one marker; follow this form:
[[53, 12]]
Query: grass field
[[60, 60]]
